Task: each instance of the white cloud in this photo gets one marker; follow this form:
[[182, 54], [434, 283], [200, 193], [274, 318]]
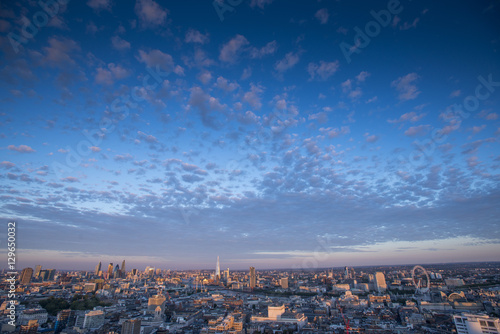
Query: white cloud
[[252, 97], [268, 49], [260, 3], [409, 116], [324, 70], [406, 87], [290, 60], [371, 138], [225, 85], [205, 77], [346, 86], [119, 44], [361, 77], [150, 13], [232, 49], [99, 4], [179, 70], [417, 130], [194, 36], [156, 57], [59, 52], [21, 148], [322, 15]]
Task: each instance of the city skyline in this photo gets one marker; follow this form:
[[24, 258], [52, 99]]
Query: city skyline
[[315, 135], [142, 267]]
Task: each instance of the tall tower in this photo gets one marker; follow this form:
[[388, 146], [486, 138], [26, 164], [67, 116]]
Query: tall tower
[[26, 275], [217, 270], [379, 280], [110, 270], [98, 268], [123, 268], [37, 270], [347, 273], [253, 278]]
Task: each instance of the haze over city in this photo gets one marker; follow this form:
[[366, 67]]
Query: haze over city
[[273, 134]]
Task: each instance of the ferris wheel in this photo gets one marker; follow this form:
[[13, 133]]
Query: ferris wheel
[[420, 279]]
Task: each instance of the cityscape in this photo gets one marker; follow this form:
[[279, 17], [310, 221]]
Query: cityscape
[[441, 298], [249, 166]]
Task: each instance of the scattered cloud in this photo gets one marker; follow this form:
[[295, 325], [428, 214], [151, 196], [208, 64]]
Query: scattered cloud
[[323, 70], [21, 148], [119, 43], [322, 15], [260, 3], [290, 60], [406, 87], [150, 13], [419, 130], [232, 49], [156, 58], [99, 4], [371, 138], [194, 36]]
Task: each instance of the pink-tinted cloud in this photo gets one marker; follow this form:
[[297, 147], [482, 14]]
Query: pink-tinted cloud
[[21, 148]]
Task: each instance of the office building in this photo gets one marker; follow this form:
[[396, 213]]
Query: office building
[[26, 275], [347, 273], [62, 321], [47, 274], [38, 268], [131, 327], [156, 304], [93, 320], [476, 324], [30, 328], [379, 282], [284, 282], [217, 270], [279, 314], [38, 314], [253, 278], [97, 268]]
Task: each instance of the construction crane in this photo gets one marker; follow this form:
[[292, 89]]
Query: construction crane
[[168, 295], [345, 322]]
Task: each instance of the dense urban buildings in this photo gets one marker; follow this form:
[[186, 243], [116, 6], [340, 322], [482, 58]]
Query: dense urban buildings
[[460, 298]]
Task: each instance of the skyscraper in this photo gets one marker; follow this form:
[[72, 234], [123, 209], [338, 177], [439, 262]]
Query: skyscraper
[[253, 278], [123, 268], [131, 327], [379, 282], [51, 274], [26, 275], [217, 270], [284, 282], [98, 268], [347, 273], [37, 270], [110, 270]]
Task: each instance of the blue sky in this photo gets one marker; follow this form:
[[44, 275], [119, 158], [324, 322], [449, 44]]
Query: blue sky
[[270, 133]]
